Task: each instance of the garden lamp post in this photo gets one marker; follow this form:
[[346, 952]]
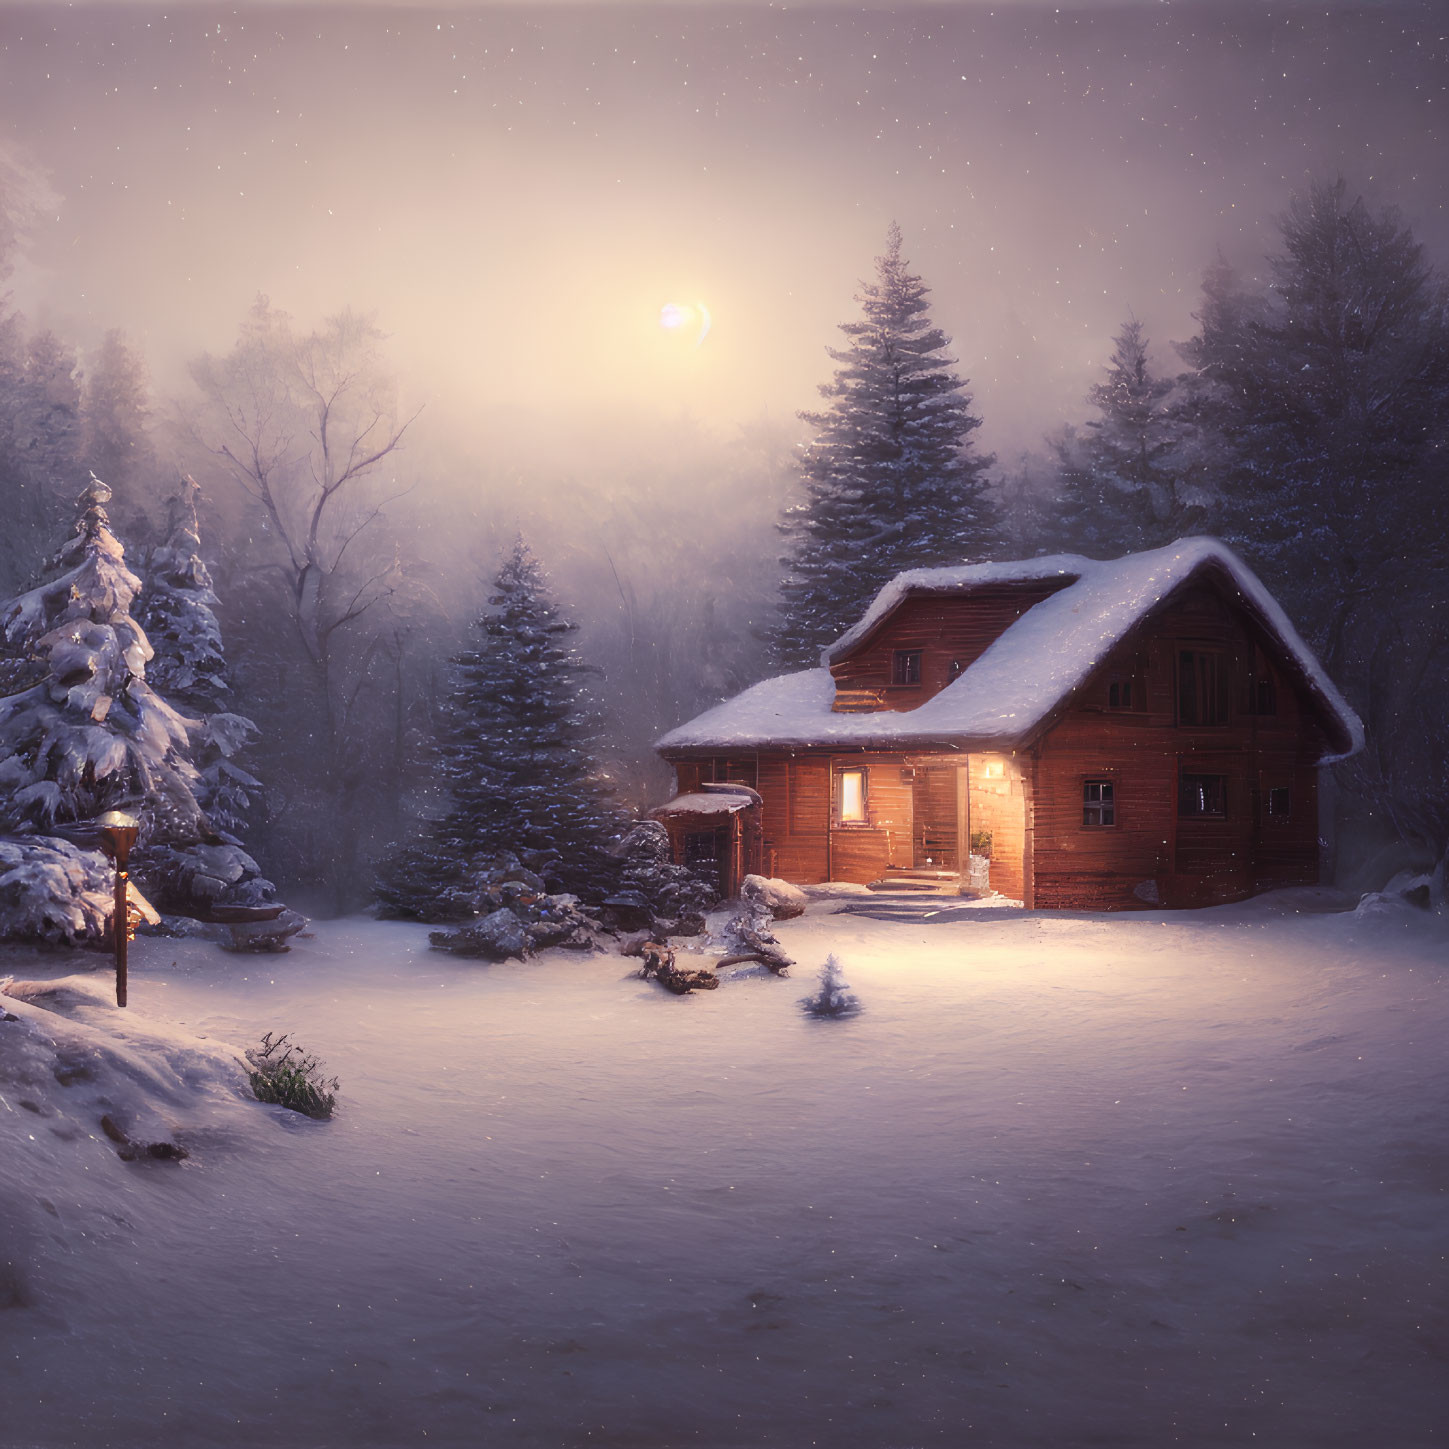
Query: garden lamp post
[[118, 833]]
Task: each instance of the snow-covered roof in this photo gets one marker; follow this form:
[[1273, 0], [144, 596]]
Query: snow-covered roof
[[1053, 567], [706, 804], [1006, 694]]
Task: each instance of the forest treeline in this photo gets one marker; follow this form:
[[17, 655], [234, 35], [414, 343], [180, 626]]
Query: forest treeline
[[1304, 422]]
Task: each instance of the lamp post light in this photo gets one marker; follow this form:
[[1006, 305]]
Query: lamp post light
[[118, 833]]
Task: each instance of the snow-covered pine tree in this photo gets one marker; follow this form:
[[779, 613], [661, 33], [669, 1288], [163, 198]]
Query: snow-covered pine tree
[[892, 479], [1122, 479], [90, 735], [87, 735], [518, 759], [178, 612]]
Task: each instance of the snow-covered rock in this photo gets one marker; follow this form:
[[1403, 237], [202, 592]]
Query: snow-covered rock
[[781, 899]]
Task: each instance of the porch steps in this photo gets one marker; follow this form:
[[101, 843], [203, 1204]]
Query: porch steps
[[919, 882]]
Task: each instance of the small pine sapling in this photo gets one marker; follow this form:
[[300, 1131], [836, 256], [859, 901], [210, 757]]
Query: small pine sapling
[[834, 997], [287, 1076]]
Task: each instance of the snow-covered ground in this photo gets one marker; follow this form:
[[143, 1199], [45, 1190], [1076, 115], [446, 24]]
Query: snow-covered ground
[[1128, 1181]]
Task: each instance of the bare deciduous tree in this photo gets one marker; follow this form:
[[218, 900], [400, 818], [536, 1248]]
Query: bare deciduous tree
[[305, 426]]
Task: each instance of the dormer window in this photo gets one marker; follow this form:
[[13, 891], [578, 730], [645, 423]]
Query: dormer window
[[906, 666]]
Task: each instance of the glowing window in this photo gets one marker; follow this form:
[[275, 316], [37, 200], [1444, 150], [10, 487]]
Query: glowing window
[[850, 794]]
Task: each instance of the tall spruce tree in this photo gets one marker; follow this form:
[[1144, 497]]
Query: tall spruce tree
[[1325, 394], [1123, 479], [178, 612], [892, 479], [517, 757]]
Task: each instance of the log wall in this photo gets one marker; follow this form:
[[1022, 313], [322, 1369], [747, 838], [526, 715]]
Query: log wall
[[952, 631], [1144, 750], [863, 853], [796, 792]]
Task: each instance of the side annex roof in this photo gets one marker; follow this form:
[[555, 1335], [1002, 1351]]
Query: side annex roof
[[1007, 694]]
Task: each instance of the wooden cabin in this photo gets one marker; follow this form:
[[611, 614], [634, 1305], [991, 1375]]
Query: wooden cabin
[[1142, 731]]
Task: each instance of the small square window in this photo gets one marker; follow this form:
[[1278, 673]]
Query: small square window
[[1119, 694], [1098, 804], [850, 798], [1202, 797], [1265, 696], [906, 668], [1280, 802]]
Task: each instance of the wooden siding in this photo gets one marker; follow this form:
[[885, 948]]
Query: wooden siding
[[952, 631], [714, 769], [796, 792], [1144, 750], [863, 853]]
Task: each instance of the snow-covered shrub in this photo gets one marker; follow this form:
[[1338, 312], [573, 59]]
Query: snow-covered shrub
[[53, 891], [671, 899], [834, 997], [1406, 892], [505, 911], [523, 922], [284, 1074]]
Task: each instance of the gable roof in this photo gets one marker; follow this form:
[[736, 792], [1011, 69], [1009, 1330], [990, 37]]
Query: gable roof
[[1006, 695]]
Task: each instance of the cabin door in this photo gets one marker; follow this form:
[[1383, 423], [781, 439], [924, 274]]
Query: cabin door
[[933, 809]]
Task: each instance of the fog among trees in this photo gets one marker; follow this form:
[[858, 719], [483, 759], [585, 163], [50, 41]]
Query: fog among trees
[[372, 417]]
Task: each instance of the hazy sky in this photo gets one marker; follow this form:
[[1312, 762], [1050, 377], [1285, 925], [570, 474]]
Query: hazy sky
[[516, 191]]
